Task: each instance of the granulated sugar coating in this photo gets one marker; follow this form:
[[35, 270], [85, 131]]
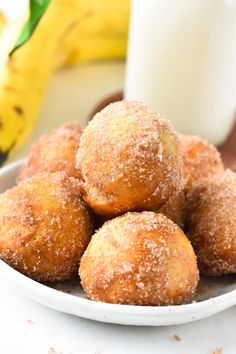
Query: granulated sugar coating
[[44, 227], [130, 159], [54, 152], [201, 159], [212, 223], [140, 259], [175, 208]]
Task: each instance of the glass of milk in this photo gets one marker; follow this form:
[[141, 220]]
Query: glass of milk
[[182, 62]]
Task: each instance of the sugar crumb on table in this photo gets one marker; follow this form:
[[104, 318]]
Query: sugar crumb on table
[[51, 350], [177, 338], [217, 351]]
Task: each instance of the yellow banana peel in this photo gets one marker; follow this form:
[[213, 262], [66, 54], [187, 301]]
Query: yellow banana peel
[[70, 32], [2, 22]]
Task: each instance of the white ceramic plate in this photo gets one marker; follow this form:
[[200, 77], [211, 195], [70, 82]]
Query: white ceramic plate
[[214, 294]]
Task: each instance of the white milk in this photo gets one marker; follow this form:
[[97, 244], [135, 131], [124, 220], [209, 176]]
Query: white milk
[[182, 62]]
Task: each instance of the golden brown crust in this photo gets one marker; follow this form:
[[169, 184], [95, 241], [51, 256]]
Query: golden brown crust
[[212, 223], [139, 258], [129, 159], [54, 152], [174, 209], [44, 227], [201, 159]]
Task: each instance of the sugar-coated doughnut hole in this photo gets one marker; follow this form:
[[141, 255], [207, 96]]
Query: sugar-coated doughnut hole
[[140, 259], [54, 152], [211, 222], [44, 227], [201, 159], [129, 159]]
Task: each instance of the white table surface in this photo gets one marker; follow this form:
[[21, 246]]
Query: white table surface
[[29, 328], [73, 335]]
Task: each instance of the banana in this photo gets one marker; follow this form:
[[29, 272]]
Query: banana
[[2, 22], [70, 32], [104, 33]]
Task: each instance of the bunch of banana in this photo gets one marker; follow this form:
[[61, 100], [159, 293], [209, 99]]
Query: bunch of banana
[[69, 32]]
